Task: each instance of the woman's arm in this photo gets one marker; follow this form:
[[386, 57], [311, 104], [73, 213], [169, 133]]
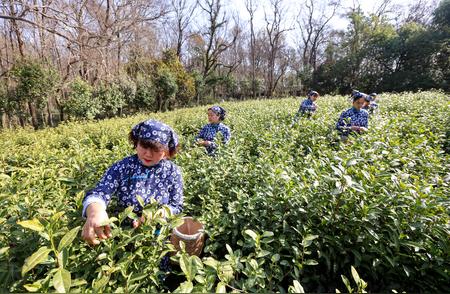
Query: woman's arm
[[104, 190], [226, 133], [94, 207], [340, 125], [365, 122], [309, 106], [200, 135], [176, 192]]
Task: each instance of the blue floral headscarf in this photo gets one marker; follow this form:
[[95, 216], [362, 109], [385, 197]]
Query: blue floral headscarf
[[219, 111], [312, 93], [357, 95], [153, 130]]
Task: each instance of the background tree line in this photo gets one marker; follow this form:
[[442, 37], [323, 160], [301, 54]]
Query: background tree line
[[76, 59]]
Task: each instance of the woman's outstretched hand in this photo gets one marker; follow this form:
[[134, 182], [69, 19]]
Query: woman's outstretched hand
[[94, 230]]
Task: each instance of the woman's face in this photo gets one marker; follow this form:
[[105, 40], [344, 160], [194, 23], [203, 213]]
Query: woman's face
[[359, 103], [149, 156], [213, 117]]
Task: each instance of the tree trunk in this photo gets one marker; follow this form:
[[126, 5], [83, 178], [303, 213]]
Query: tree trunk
[[119, 49], [251, 11], [21, 121], [8, 120], [61, 114], [17, 32], [43, 121], [158, 104], [60, 107], [4, 123], [49, 114], [33, 114]]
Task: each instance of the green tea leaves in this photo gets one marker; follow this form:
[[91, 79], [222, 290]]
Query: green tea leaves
[[36, 258]]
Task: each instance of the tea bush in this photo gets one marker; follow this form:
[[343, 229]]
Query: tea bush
[[285, 208]]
